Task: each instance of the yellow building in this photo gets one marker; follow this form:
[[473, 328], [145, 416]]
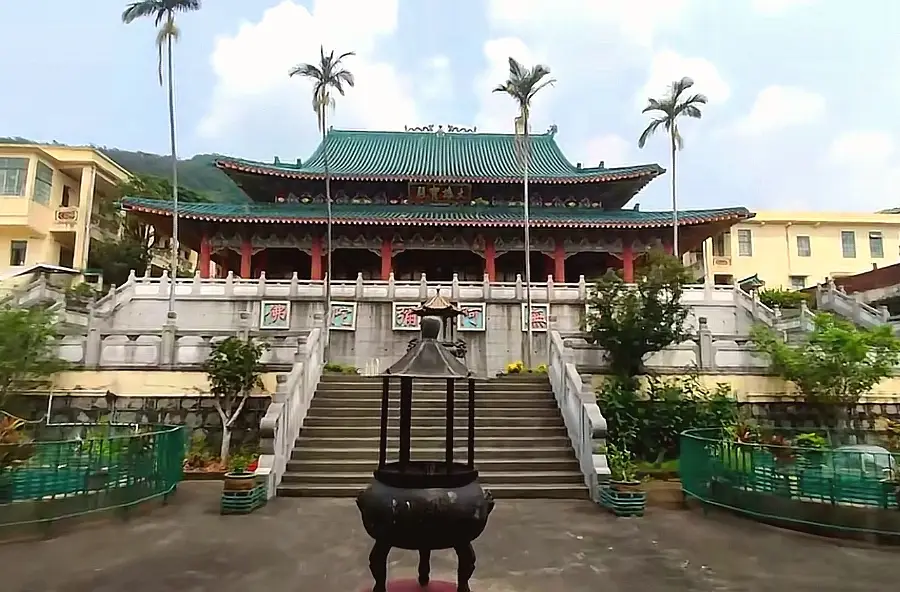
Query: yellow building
[[799, 249], [47, 196]]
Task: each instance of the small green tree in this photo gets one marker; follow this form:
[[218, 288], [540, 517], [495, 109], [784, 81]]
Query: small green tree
[[234, 370], [28, 357], [838, 363], [632, 321]]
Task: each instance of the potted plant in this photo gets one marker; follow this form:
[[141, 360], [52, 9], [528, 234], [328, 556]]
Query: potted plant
[[625, 495], [811, 448], [15, 449]]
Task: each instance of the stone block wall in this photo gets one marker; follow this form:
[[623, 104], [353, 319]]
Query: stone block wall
[[196, 413]]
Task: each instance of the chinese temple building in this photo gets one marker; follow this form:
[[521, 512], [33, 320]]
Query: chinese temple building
[[433, 202]]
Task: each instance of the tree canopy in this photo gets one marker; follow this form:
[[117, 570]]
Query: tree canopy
[[632, 321], [838, 362]]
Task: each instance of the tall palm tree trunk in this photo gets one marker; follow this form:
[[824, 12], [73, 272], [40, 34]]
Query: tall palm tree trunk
[[175, 244], [675, 250], [529, 335], [328, 231]]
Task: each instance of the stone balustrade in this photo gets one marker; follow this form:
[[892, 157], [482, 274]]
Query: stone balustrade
[[171, 347], [234, 288]]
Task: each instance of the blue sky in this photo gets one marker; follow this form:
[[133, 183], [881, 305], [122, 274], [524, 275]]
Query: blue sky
[[801, 91]]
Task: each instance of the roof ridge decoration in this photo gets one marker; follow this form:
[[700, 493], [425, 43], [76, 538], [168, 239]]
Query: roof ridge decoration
[[451, 129]]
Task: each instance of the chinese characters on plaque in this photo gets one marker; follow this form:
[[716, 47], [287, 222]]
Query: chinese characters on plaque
[[540, 317], [472, 317], [343, 316], [404, 317], [275, 314], [439, 193]]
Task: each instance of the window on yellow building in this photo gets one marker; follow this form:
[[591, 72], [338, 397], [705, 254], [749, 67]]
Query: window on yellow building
[[12, 176], [745, 243], [18, 252], [804, 249], [848, 244], [876, 245], [722, 245], [43, 184], [798, 282]]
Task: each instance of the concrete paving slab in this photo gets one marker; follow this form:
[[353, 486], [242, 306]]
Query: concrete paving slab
[[319, 545]]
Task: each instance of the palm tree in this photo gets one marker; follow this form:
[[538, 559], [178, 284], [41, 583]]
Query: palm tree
[[328, 75], [666, 112], [163, 13], [523, 83]]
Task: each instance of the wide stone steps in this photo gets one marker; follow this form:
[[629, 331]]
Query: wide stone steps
[[418, 410], [422, 431], [505, 465], [522, 449], [368, 418], [437, 442], [504, 491]]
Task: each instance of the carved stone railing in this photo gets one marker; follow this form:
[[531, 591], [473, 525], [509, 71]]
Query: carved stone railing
[[234, 288], [585, 424], [281, 424], [170, 347], [829, 298]]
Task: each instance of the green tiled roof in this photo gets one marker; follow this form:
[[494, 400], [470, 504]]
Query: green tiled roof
[[439, 156], [416, 215]]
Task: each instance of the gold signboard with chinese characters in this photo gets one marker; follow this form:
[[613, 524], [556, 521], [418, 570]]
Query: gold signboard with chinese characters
[[440, 193]]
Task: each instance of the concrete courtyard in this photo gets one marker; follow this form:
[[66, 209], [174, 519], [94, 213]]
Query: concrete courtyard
[[319, 545]]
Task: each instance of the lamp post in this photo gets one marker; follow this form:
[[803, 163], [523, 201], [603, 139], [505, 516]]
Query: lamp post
[[522, 132]]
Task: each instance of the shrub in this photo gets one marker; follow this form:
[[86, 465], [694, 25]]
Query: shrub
[[649, 422], [783, 299]]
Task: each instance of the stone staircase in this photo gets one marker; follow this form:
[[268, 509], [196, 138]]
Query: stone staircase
[[521, 446]]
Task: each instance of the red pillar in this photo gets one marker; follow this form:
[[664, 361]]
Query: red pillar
[[559, 262], [246, 255], [315, 254], [490, 259], [628, 263], [204, 256], [386, 255]]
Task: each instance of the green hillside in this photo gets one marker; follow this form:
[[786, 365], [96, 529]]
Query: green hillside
[[197, 173]]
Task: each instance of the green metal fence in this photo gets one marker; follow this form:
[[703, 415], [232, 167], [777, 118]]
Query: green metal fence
[[73, 470], [838, 487]]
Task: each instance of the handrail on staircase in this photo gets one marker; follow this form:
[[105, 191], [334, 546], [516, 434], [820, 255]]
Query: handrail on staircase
[[585, 424], [280, 426]]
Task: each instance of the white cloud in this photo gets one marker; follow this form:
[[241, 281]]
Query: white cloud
[[779, 107], [437, 83], [254, 100], [864, 149], [611, 149], [638, 21], [778, 7], [668, 66]]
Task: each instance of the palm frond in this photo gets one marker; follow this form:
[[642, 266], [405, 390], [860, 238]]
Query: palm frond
[[137, 10], [524, 83], [650, 130], [679, 86], [307, 71], [325, 75]]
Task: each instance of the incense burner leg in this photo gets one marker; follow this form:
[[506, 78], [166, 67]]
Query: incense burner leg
[[378, 565], [424, 567], [466, 558]]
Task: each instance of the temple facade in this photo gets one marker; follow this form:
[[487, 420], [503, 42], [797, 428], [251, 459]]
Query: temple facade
[[435, 202]]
